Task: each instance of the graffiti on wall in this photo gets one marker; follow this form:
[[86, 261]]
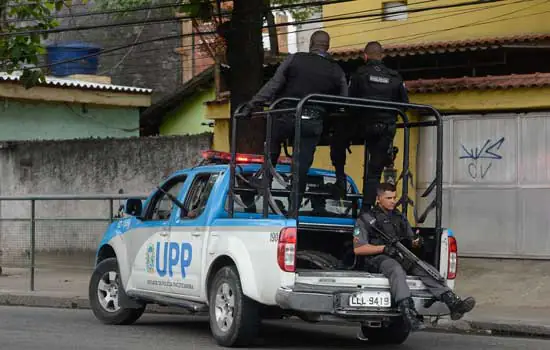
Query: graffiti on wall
[[481, 158]]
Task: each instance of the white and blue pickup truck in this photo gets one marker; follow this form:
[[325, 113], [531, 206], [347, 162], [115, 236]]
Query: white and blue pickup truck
[[180, 248]]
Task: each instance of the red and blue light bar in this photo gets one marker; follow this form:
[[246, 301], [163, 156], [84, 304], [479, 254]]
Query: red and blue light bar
[[241, 158]]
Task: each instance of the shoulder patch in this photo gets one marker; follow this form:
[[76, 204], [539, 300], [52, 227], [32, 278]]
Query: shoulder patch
[[356, 231]]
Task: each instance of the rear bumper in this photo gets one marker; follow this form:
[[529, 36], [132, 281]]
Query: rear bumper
[[336, 304]]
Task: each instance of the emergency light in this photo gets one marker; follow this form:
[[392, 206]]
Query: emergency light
[[225, 157]]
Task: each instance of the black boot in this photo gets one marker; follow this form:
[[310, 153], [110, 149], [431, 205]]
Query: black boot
[[457, 306], [339, 188], [412, 318]]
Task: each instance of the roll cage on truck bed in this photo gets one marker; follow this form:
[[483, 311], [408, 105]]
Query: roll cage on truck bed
[[342, 102], [225, 256]]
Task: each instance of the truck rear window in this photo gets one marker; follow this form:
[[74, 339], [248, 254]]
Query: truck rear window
[[311, 205]]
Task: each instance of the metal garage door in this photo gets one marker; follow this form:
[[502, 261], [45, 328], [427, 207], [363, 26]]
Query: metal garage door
[[496, 182]]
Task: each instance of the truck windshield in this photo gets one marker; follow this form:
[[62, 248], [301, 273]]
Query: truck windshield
[[311, 205]]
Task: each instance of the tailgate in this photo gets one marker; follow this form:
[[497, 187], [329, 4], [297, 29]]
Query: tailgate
[[356, 289], [350, 279], [352, 295]]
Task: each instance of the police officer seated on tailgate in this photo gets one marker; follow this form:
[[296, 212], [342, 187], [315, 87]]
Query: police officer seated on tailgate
[[376, 127], [383, 258], [299, 75]]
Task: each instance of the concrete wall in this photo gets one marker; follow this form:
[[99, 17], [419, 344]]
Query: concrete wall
[[154, 65], [30, 120], [187, 119], [135, 165]]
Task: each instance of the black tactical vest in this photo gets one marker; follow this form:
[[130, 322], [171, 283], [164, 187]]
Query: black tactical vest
[[392, 224], [310, 73], [378, 82]]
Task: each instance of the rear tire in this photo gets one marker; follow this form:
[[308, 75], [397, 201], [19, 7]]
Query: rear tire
[[234, 318], [394, 333], [103, 292], [316, 259]]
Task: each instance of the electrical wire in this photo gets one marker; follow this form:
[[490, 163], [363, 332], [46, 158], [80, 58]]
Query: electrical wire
[[177, 4], [485, 21], [340, 18], [473, 24], [408, 23], [275, 25]]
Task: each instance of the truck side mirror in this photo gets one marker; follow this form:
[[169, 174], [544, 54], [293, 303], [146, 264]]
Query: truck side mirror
[[133, 207]]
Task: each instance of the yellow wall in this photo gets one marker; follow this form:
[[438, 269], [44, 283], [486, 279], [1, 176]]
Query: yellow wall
[[509, 17]]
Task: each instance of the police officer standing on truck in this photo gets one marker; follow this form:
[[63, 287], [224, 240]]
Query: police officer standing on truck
[[299, 75], [377, 127], [381, 257]]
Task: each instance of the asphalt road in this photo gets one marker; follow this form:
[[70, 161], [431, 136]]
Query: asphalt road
[[24, 328]]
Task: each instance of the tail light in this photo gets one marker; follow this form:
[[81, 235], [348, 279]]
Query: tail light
[[453, 258], [286, 249]]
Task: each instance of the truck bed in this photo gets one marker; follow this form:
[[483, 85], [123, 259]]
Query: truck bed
[[324, 247], [330, 282]]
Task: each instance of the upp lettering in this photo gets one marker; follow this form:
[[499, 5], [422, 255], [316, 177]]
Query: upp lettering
[[173, 254]]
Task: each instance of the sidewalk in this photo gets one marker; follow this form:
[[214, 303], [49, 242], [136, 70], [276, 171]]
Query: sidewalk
[[513, 297]]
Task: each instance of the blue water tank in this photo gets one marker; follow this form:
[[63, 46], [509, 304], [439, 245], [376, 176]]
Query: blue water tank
[[71, 50]]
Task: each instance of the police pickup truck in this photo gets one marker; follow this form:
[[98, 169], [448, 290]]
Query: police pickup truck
[[180, 248]]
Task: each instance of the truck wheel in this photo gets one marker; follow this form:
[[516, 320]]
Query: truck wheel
[[234, 318], [104, 291], [395, 333]]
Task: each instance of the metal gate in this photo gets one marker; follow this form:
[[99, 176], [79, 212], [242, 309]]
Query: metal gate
[[496, 182]]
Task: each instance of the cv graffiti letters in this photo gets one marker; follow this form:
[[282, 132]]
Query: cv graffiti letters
[[481, 158]]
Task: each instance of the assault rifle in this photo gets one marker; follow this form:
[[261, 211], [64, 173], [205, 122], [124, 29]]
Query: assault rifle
[[407, 255]]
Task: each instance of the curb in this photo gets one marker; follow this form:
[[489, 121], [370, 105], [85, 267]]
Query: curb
[[50, 300], [465, 326], [515, 328]]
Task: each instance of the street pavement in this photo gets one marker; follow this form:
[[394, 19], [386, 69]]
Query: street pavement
[[25, 328], [512, 295]]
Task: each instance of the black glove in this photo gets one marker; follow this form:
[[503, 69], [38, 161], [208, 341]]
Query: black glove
[[392, 252], [246, 111]]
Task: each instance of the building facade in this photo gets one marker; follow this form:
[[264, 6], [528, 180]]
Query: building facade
[[64, 109], [484, 68]]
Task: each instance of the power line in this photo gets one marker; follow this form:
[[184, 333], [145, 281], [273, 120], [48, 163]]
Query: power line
[[185, 35], [473, 24], [371, 30], [178, 4], [345, 24], [157, 20], [300, 30], [288, 32]]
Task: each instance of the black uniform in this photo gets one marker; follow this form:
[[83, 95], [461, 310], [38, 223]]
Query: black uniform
[[390, 263], [299, 75], [373, 81], [397, 225]]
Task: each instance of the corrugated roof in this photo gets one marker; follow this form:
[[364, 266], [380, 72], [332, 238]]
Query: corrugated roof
[[444, 46], [79, 84], [535, 80]]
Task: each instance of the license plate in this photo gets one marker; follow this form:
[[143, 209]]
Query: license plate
[[370, 299]]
